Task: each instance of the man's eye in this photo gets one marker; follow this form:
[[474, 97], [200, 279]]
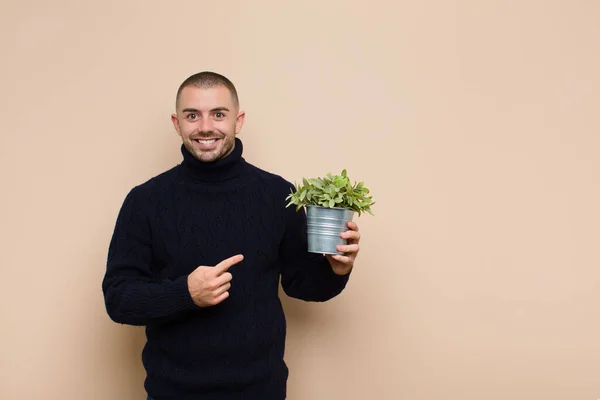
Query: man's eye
[[219, 115], [191, 116]]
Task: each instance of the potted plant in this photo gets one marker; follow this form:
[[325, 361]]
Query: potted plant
[[330, 204]]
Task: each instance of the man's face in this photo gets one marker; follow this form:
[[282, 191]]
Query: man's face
[[207, 120]]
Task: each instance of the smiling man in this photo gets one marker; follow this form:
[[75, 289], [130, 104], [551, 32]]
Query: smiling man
[[197, 255], [208, 117]]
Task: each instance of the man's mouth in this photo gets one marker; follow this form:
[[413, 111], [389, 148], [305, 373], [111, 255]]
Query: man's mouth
[[206, 143]]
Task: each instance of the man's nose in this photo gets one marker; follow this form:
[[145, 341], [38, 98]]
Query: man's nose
[[206, 125]]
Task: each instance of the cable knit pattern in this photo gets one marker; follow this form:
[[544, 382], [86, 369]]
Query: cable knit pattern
[[200, 214]]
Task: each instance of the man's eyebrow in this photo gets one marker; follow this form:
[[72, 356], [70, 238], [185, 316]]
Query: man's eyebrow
[[214, 109]]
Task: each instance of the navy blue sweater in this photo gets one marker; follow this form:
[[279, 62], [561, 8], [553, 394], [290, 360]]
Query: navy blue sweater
[[200, 214]]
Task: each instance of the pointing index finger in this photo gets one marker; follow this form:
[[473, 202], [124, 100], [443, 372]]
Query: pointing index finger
[[224, 265]]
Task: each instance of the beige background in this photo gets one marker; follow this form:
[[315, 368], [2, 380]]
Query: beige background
[[475, 123]]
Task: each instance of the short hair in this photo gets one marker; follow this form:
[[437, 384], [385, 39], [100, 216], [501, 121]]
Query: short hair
[[206, 80]]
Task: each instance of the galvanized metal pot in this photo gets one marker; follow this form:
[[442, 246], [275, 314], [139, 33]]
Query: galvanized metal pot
[[325, 225]]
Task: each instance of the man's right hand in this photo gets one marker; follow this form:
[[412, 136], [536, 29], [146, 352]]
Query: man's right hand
[[209, 286]]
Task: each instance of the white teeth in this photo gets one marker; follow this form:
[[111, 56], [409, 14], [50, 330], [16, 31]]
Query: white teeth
[[207, 141]]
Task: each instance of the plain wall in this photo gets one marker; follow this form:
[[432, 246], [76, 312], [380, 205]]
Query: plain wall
[[476, 125]]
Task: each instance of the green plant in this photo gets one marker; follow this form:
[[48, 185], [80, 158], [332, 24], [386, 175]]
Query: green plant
[[332, 191]]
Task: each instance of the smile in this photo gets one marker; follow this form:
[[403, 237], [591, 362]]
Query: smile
[[206, 143]]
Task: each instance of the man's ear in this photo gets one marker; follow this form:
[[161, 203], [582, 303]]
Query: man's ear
[[175, 122], [239, 121]]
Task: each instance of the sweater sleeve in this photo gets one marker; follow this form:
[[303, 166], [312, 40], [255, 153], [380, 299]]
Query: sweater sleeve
[[306, 276], [132, 294]]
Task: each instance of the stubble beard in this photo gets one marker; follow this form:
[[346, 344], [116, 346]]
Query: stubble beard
[[225, 148]]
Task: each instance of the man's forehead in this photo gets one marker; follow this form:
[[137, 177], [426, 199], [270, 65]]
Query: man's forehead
[[205, 97]]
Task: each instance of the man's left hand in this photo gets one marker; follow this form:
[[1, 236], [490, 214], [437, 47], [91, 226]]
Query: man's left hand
[[342, 264]]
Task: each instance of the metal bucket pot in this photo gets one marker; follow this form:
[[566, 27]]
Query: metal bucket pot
[[325, 225]]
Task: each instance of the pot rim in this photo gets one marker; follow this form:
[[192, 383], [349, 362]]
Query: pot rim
[[330, 208]]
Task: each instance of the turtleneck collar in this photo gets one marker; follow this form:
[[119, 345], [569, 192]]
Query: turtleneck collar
[[215, 171]]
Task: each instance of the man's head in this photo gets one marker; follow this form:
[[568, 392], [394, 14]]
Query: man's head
[[207, 115]]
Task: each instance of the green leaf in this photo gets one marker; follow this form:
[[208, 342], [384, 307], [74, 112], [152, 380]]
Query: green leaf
[[331, 191], [316, 183]]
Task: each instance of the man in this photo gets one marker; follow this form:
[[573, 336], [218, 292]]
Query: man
[[197, 254]]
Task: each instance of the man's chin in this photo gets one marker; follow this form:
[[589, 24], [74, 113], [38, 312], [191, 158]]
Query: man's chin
[[206, 156], [202, 155], [219, 152]]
